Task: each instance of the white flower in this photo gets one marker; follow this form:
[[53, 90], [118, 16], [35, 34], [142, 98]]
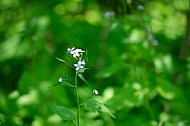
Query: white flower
[[79, 50], [79, 65], [70, 49], [60, 79], [95, 91], [75, 52], [81, 62]]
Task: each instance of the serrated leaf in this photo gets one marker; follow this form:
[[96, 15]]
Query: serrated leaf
[[81, 77], [63, 112], [60, 59], [96, 106]]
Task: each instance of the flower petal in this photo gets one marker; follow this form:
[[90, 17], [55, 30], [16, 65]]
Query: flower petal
[[75, 65], [81, 67], [77, 68]]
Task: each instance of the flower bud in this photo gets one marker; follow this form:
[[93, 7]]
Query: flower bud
[[95, 91]]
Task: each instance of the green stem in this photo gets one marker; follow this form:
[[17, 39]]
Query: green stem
[[77, 99]]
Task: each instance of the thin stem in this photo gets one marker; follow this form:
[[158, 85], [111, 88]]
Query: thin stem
[[77, 99]]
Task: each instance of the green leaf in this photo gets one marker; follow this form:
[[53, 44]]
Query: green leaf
[[145, 53], [165, 88], [63, 112], [96, 106], [81, 77], [64, 83], [55, 85], [60, 59]]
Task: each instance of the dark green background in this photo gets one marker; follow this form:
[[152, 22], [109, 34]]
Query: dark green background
[[138, 60]]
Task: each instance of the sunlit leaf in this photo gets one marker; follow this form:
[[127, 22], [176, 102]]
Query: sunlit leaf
[[165, 88], [96, 106], [63, 112]]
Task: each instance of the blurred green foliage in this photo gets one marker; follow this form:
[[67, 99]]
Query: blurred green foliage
[[133, 54]]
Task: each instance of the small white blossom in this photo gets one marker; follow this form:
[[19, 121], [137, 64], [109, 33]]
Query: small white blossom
[[60, 79], [95, 91], [75, 52], [79, 65], [70, 49], [79, 50], [81, 62]]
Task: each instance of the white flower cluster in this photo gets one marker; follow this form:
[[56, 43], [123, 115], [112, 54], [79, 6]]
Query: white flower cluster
[[80, 64], [76, 54]]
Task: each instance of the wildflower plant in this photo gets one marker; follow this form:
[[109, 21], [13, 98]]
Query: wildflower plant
[[79, 66]]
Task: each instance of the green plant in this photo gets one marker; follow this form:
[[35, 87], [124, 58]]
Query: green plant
[[93, 105]]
